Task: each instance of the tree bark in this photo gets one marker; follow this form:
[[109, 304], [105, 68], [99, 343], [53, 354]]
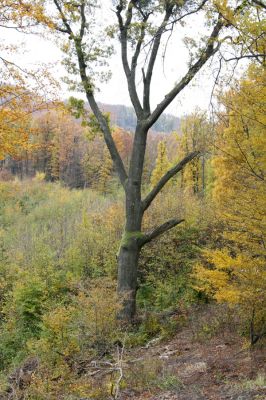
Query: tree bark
[[127, 277], [131, 241]]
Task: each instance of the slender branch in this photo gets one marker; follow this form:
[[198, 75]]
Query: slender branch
[[153, 56], [239, 113], [209, 51], [178, 20], [123, 27], [244, 56], [201, 5], [169, 174], [233, 157], [7, 62], [215, 83], [159, 230], [63, 17], [138, 47], [173, 22], [13, 96], [261, 177], [83, 19], [20, 28], [166, 47]]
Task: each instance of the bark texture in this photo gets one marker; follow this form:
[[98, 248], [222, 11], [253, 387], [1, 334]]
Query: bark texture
[[127, 277]]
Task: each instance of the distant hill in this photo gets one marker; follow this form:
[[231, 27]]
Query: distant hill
[[125, 118]]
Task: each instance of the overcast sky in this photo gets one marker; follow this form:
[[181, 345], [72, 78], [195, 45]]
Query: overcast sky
[[197, 94]]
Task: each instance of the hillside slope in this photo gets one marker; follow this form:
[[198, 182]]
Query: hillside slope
[[125, 118]]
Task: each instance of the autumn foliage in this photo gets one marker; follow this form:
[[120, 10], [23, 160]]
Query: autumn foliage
[[236, 269], [62, 216]]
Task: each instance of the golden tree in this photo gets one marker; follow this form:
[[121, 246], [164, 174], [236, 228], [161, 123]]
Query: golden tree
[[162, 163], [105, 172], [236, 273], [22, 90], [195, 134]]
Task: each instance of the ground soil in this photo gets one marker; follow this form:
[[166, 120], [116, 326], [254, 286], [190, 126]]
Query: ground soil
[[218, 368]]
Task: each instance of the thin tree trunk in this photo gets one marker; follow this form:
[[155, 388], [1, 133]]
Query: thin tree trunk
[[203, 174]]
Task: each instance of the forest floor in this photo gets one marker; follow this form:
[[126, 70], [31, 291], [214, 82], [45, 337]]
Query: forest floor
[[214, 369], [191, 365]]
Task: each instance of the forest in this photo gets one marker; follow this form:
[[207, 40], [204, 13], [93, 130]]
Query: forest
[[132, 236]]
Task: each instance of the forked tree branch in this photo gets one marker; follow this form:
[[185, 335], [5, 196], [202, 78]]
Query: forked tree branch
[[209, 51], [153, 57], [163, 181]]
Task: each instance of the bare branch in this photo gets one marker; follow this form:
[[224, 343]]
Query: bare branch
[[153, 56], [178, 19], [257, 56], [159, 230], [209, 51], [190, 12], [169, 174], [123, 27], [261, 177], [83, 19], [138, 48], [11, 63], [63, 17], [119, 368]]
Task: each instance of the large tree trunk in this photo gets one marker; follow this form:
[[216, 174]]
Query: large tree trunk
[[127, 277], [131, 241], [128, 256]]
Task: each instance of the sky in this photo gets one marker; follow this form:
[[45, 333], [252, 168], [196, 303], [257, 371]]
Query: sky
[[37, 50]]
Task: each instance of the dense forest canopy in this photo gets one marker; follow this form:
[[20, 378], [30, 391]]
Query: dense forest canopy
[[132, 242]]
